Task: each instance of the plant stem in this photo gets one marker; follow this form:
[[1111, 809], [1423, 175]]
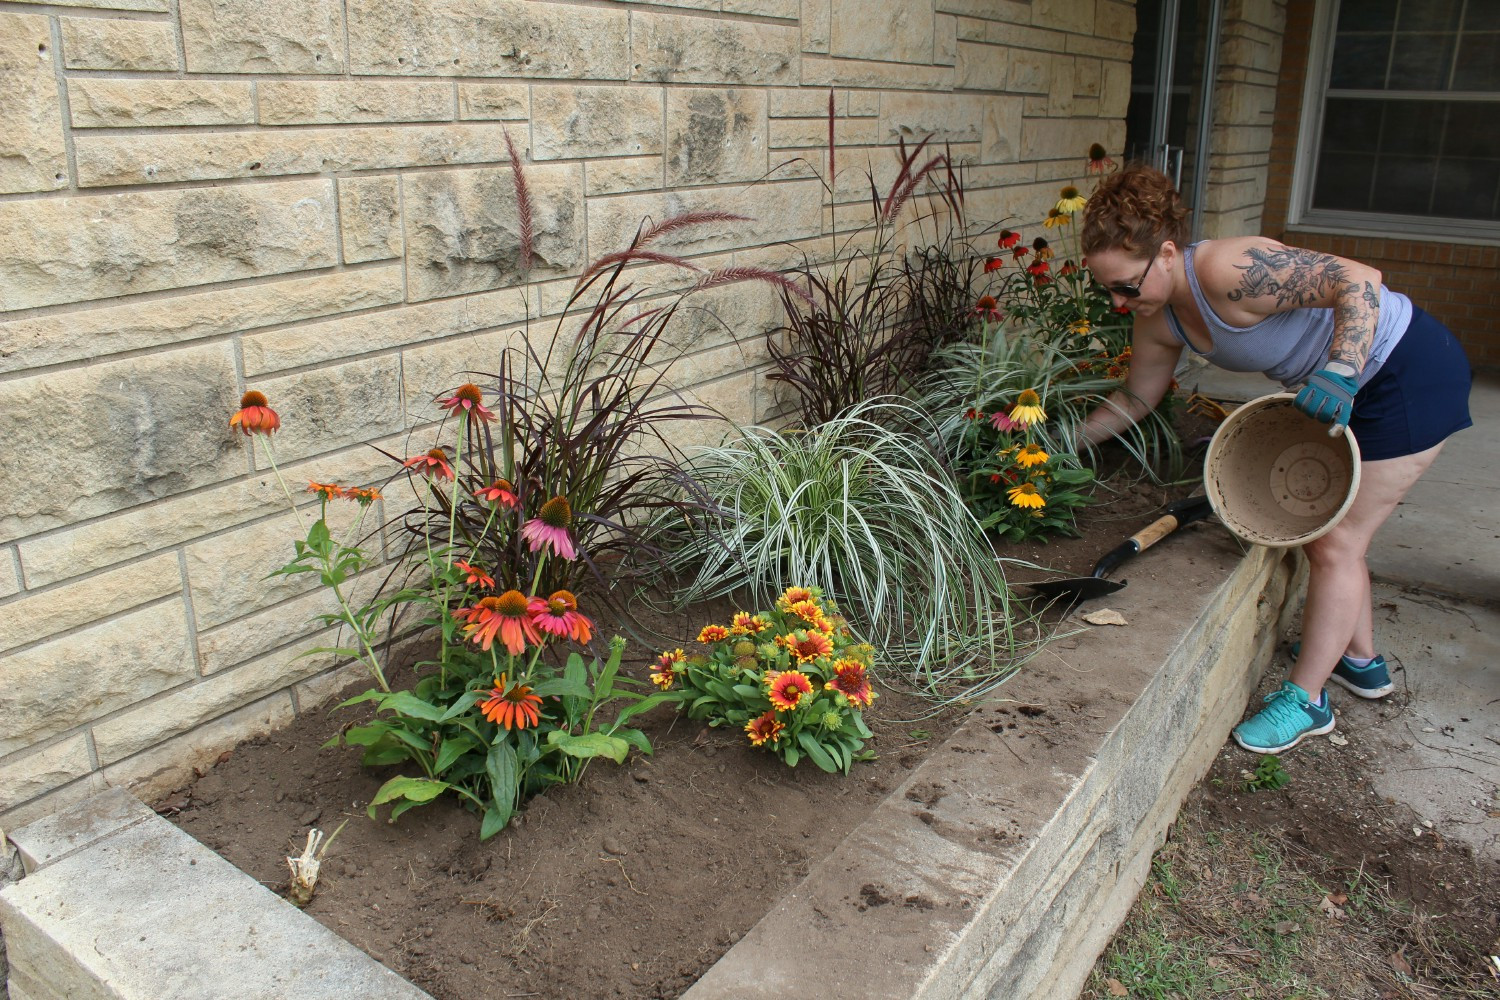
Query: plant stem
[[265, 442]]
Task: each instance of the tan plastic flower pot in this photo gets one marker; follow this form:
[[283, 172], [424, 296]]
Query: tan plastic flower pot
[[1275, 477]]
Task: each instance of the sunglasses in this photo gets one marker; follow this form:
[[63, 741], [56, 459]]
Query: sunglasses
[[1132, 289]]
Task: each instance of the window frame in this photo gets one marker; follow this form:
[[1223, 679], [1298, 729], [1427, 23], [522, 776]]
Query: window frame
[[1302, 215]]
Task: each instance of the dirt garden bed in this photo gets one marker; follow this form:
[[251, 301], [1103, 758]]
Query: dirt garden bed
[[631, 883]]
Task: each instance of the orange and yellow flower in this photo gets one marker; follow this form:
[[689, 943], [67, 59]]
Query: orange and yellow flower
[[806, 646], [507, 615], [500, 492], [852, 680], [255, 415], [1028, 409], [328, 491], [512, 707], [744, 623], [365, 497], [809, 612], [793, 595], [1026, 495], [559, 615], [665, 674], [764, 729], [713, 633], [1056, 218], [786, 688]]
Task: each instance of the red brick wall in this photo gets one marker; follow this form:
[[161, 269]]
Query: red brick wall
[[1458, 284]]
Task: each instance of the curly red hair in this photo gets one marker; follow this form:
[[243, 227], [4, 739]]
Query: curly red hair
[[1135, 210]]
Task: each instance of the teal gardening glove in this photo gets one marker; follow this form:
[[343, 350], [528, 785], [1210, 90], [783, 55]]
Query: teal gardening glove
[[1328, 395]]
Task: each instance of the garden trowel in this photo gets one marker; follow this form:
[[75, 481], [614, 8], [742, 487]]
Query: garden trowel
[[1084, 588]]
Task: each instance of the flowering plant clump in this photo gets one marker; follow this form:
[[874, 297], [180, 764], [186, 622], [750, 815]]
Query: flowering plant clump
[[792, 679], [509, 706], [1016, 487]]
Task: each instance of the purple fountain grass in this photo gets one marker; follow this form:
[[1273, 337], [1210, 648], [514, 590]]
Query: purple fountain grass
[[523, 203], [731, 275], [683, 220]]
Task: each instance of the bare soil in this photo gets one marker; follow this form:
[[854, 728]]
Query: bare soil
[[630, 883]]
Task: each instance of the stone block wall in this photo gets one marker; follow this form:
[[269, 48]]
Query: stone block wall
[[312, 198]]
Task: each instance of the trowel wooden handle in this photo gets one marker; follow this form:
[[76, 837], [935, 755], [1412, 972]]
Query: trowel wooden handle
[[1154, 532]]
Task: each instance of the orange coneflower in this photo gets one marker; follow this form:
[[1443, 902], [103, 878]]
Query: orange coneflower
[[559, 615], [993, 264], [507, 615], [764, 729], [468, 398], [785, 689], [328, 491], [665, 674], [988, 308], [851, 680], [475, 575], [501, 492], [255, 415], [433, 463], [549, 529], [512, 707], [1008, 239]]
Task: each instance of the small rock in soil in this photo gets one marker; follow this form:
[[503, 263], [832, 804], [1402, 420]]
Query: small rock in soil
[[309, 818], [612, 846]]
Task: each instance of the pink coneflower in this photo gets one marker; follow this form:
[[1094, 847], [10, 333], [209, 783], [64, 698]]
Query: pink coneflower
[[559, 615], [550, 529], [255, 415], [506, 615], [987, 308], [475, 575], [1001, 422], [500, 492], [468, 399], [434, 463], [1099, 161]]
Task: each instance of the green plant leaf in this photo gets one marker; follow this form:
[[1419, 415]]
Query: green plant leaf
[[451, 750], [370, 695], [364, 736], [406, 703], [501, 768], [462, 704], [590, 745], [816, 753], [635, 738], [562, 686], [399, 787], [494, 821]]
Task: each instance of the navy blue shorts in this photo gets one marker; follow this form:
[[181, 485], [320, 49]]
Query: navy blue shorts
[[1418, 397]]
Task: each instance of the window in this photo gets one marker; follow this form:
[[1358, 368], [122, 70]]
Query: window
[[1403, 129]]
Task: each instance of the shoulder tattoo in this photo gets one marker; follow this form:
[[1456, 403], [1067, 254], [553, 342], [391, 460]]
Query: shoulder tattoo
[[1290, 275]]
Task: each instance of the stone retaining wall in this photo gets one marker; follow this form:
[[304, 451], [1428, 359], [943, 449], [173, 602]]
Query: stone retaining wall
[[311, 198]]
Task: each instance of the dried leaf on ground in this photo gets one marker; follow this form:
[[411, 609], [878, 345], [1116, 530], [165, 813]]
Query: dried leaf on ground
[[1105, 616], [1285, 927], [1116, 988], [1399, 963], [1332, 909], [1338, 740]]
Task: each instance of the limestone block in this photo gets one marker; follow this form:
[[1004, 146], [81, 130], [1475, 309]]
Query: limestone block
[[249, 637], [463, 232], [741, 313], [132, 159], [24, 777], [1064, 15], [52, 612], [786, 102], [345, 102], [132, 431], [576, 121], [945, 40], [1060, 92], [319, 690], [314, 343], [1086, 76], [715, 136], [1004, 11], [46, 340], [106, 43], [1020, 34], [876, 29], [153, 527], [1115, 20], [42, 808], [153, 5], [799, 133], [1114, 89], [866, 104], [101, 103], [820, 71], [817, 25], [1105, 48], [251, 36], [494, 101], [49, 840], [1000, 131], [229, 574], [51, 688], [370, 218], [1026, 72], [638, 173], [204, 700], [428, 373], [944, 117], [328, 408], [32, 154], [60, 250], [512, 38], [778, 211], [680, 48], [10, 573]]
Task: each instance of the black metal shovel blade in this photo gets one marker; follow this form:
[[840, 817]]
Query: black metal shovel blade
[[1075, 590]]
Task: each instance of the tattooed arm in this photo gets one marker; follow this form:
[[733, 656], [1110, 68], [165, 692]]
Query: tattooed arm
[[1264, 277]]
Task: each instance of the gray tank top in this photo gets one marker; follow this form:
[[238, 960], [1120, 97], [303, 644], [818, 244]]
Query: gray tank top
[[1289, 346]]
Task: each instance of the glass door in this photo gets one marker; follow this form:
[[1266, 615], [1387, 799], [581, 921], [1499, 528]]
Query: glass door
[[1170, 118]]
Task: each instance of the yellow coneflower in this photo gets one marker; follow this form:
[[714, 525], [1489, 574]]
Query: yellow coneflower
[[1055, 218], [1070, 200], [1026, 495], [1031, 455], [1028, 409]]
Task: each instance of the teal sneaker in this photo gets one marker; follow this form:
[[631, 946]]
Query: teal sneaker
[[1372, 681], [1288, 716]]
